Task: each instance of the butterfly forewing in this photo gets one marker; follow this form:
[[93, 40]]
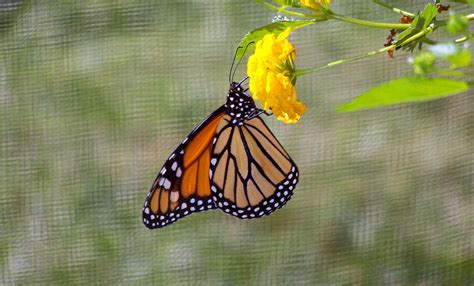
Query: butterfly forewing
[[182, 185]]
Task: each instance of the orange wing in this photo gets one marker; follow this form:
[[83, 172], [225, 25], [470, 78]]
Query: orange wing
[[183, 185]]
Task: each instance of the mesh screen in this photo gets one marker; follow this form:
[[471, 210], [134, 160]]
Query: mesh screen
[[94, 95]]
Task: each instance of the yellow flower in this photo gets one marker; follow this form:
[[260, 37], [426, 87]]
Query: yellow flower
[[272, 79], [313, 4]]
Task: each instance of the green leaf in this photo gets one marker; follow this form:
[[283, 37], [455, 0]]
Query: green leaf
[[409, 89], [461, 59], [451, 73], [428, 15], [420, 23], [274, 28], [457, 24]]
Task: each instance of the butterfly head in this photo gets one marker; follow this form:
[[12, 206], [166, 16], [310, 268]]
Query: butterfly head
[[239, 104]]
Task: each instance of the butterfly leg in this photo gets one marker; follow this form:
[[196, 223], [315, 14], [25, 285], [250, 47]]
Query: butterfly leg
[[257, 112], [268, 113]]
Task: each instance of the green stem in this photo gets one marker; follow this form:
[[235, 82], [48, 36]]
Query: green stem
[[456, 41], [463, 39], [373, 53], [394, 9], [367, 23], [429, 41], [416, 36], [343, 61]]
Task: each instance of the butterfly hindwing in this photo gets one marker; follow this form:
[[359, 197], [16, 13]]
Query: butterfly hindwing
[[251, 174], [182, 185]]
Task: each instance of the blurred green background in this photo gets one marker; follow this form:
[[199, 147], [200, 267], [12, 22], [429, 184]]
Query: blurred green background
[[94, 95]]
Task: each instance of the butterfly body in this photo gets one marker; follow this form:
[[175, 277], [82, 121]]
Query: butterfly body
[[230, 161]]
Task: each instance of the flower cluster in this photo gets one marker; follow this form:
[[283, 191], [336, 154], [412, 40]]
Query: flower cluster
[[271, 71]]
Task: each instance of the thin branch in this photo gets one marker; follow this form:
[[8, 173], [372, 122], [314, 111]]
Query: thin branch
[[368, 23]]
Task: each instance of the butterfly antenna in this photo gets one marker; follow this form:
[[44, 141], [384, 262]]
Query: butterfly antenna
[[245, 50], [243, 80], [233, 61]]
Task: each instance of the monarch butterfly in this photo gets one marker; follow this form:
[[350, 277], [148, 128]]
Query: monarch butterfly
[[231, 161]]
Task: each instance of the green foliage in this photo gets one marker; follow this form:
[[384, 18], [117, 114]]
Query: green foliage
[[461, 59], [457, 24], [419, 24], [412, 31], [457, 58], [409, 89], [424, 63], [274, 28]]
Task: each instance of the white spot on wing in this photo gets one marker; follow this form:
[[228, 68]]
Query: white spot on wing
[[174, 196], [174, 166], [167, 184]]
